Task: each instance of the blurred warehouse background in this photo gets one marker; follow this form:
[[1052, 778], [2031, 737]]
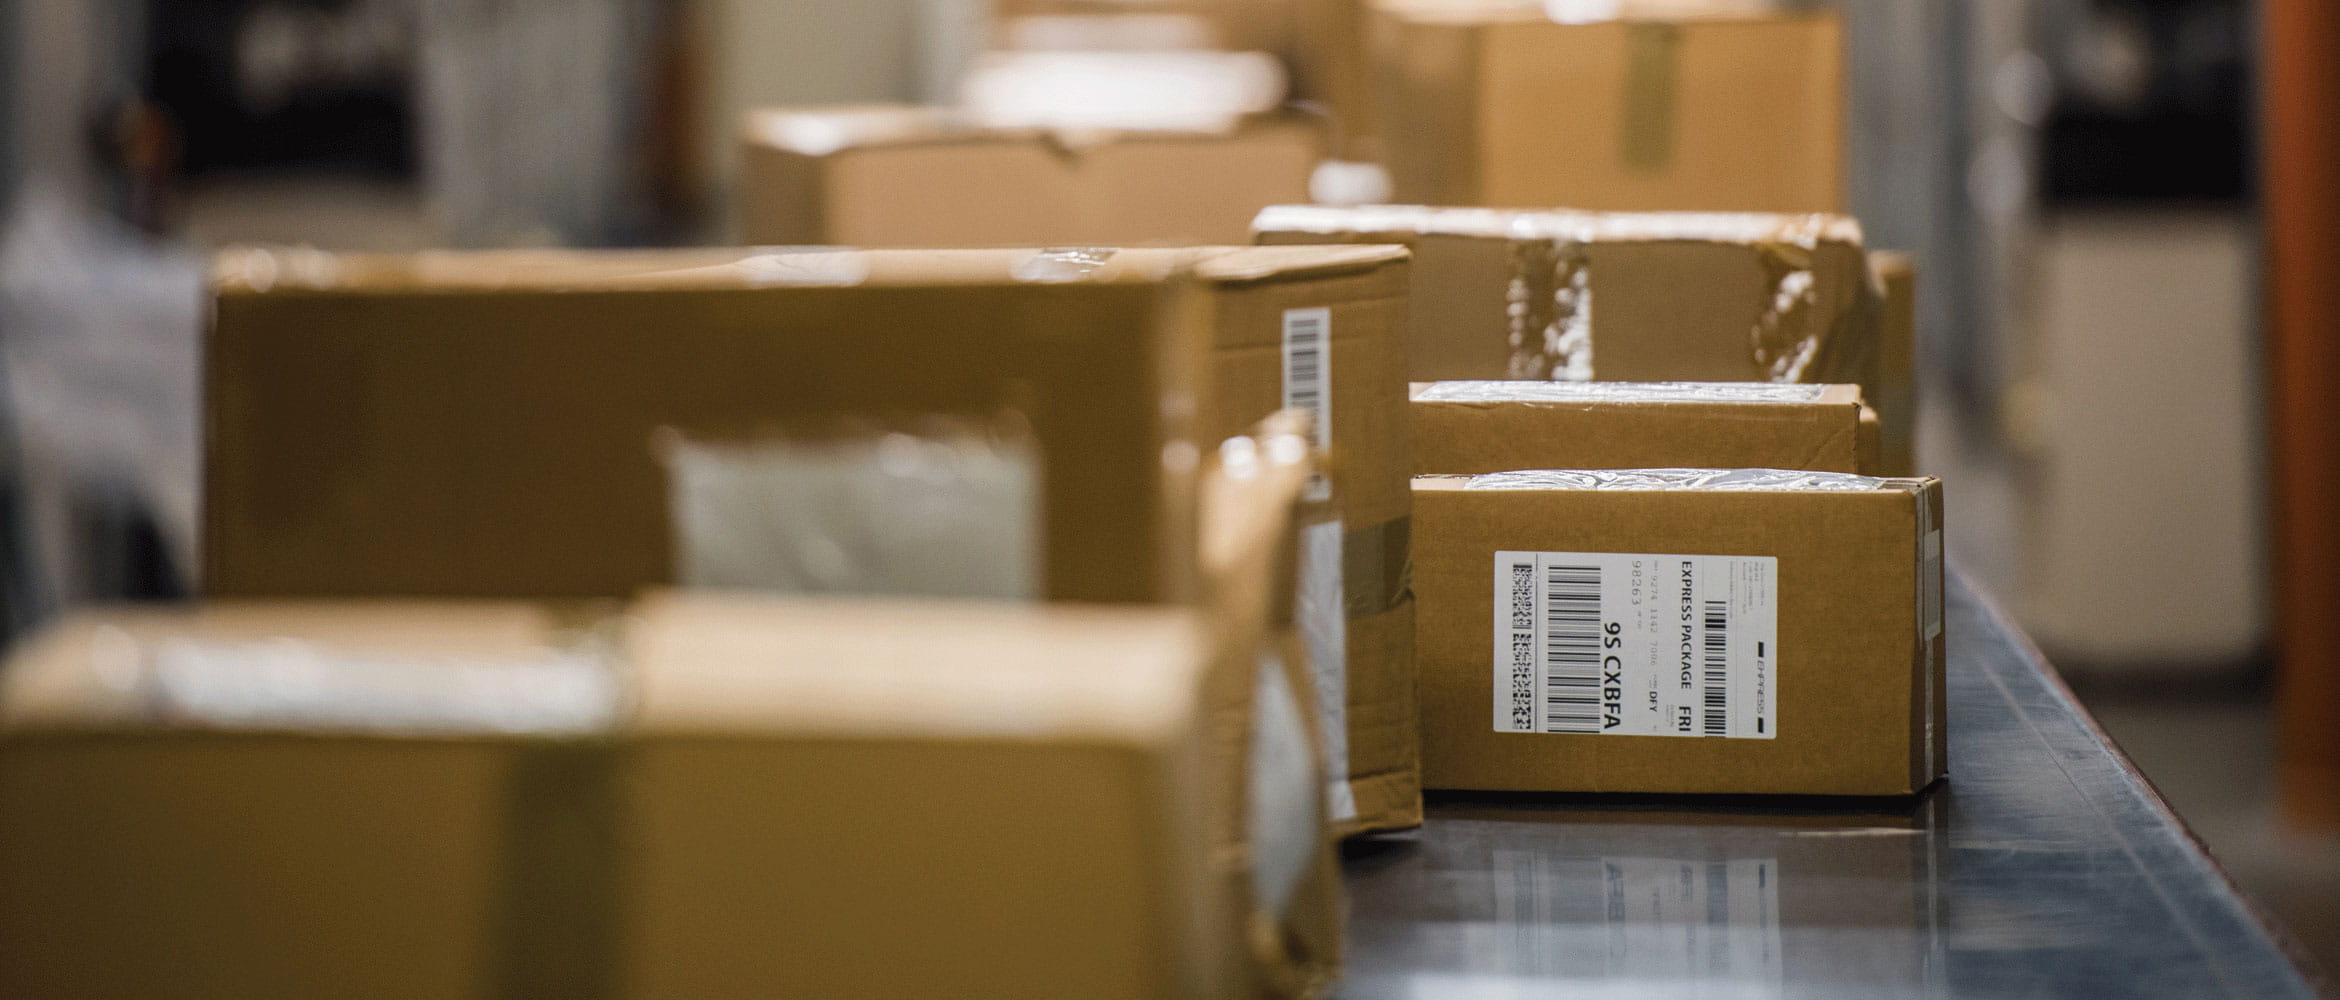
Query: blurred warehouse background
[[2075, 177]]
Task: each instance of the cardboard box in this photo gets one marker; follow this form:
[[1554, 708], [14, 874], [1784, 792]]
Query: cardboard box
[[912, 177], [1469, 428], [1332, 348], [482, 425], [1896, 391], [1503, 106], [764, 813], [1700, 631], [1620, 297]]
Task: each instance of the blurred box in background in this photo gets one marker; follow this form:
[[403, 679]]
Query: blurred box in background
[[1502, 105], [1577, 634], [294, 800], [1472, 428], [899, 177]]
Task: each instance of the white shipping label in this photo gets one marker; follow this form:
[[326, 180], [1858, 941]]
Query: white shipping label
[[1607, 643], [1308, 379]]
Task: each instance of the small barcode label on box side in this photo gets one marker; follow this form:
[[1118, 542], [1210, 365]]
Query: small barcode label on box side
[[1308, 378], [1604, 643]]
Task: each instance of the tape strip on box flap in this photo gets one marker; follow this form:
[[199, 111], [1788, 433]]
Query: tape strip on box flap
[[952, 512], [187, 679], [1530, 391], [1664, 480]]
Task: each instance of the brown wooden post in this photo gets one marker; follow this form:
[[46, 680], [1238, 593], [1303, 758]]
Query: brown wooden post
[[2301, 128]]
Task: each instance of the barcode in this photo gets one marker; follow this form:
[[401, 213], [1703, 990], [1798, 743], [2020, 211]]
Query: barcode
[[1572, 649], [1717, 669], [1307, 344], [1304, 331]]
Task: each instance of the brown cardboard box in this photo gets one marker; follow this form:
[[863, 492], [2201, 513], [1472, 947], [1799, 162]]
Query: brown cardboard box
[[481, 424], [1024, 792], [1744, 631], [1620, 297], [1896, 392], [1337, 341], [282, 802], [1468, 428], [1502, 106], [911, 177]]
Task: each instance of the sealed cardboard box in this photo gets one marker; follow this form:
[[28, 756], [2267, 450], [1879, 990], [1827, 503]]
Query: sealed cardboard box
[[1333, 348], [1484, 105], [912, 177], [1621, 296], [455, 802], [1699, 631], [1469, 428], [484, 424]]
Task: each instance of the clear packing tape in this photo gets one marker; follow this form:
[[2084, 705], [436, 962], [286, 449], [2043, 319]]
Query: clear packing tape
[[1549, 299], [940, 509], [570, 685], [1523, 391], [1689, 480]]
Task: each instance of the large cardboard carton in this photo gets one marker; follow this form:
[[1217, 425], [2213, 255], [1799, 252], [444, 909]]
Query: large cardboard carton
[[1483, 105], [924, 177], [1332, 348], [837, 798], [1469, 428], [1703, 631], [1620, 297], [483, 425]]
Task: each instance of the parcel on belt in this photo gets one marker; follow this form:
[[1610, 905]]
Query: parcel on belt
[[1671, 630], [997, 423], [912, 177], [709, 796], [1480, 104], [1469, 428], [1332, 348], [1620, 296]]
